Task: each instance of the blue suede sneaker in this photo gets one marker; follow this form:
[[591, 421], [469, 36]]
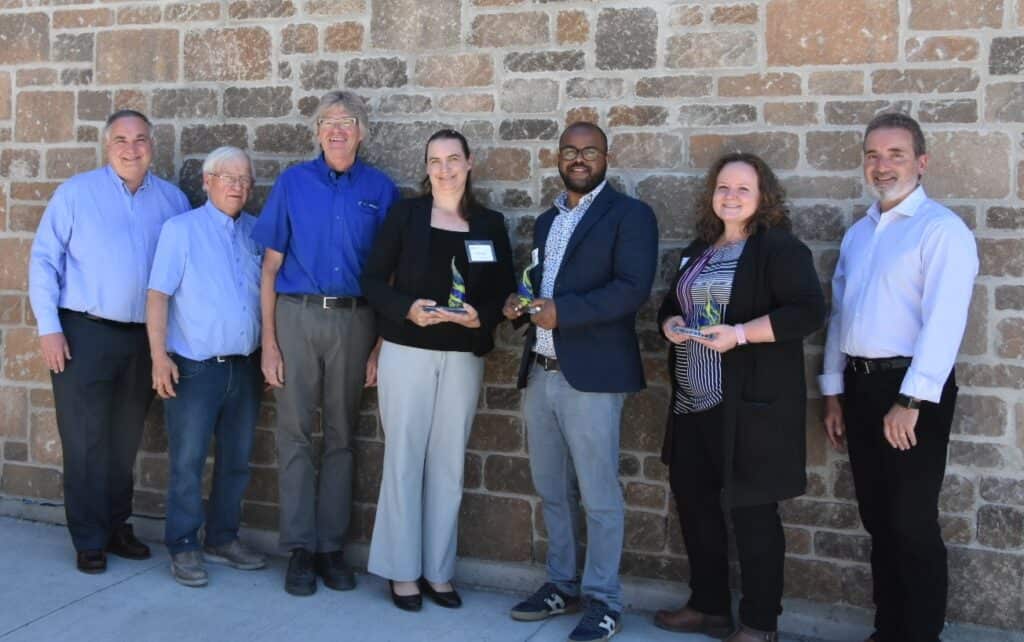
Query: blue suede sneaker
[[599, 623], [548, 601]]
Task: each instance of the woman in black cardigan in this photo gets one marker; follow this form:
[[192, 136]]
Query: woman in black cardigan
[[744, 298], [438, 274]]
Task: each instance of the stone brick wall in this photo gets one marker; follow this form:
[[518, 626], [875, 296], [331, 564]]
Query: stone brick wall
[[674, 84]]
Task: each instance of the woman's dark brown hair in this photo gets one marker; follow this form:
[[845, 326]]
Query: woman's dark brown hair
[[771, 208], [468, 203]]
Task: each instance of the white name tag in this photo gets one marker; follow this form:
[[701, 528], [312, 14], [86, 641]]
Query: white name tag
[[683, 262], [535, 257], [480, 252]]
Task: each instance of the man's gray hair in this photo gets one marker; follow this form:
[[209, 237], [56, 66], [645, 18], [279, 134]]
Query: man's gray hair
[[124, 113], [353, 104], [218, 157]]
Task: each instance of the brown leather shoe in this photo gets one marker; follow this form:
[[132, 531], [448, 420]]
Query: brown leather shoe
[[689, 620], [747, 634], [123, 543], [92, 561]]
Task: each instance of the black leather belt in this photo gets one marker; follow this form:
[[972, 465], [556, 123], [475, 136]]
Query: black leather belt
[[549, 364], [125, 325], [226, 358], [328, 302], [860, 365]]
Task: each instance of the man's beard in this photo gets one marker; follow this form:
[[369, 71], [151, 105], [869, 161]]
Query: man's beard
[[582, 184]]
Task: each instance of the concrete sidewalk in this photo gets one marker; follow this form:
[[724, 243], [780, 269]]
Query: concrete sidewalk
[[43, 597]]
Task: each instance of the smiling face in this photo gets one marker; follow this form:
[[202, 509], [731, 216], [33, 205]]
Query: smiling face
[[580, 175], [339, 135], [737, 195], [447, 166], [129, 149], [229, 186], [891, 169]]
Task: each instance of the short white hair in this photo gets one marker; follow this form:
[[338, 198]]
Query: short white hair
[[222, 155]]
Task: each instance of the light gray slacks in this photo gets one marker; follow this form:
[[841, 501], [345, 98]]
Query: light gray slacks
[[427, 403]]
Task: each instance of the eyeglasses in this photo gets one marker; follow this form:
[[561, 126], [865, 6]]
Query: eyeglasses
[[569, 153], [234, 181], [348, 122]]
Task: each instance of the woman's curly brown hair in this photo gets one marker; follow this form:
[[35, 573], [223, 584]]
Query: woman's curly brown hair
[[771, 210]]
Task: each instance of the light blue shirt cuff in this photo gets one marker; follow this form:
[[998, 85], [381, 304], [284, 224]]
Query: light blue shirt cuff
[[831, 384], [919, 386]]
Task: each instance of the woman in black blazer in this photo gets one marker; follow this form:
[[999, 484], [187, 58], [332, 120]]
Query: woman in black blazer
[[437, 277], [745, 296]]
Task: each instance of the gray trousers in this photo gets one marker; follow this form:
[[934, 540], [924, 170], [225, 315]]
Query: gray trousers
[[427, 402], [573, 438], [325, 353]]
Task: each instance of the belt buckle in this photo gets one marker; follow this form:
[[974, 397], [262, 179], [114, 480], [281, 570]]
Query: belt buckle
[[326, 299], [220, 359]]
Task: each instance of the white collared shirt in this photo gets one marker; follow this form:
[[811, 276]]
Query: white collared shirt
[[902, 287]]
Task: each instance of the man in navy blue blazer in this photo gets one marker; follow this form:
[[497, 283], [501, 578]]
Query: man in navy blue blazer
[[596, 253]]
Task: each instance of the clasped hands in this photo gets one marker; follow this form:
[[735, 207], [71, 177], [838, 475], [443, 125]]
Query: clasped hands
[[546, 315], [423, 317], [721, 338]]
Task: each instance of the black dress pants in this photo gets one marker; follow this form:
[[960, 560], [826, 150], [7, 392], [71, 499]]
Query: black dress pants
[[695, 474], [102, 398], [898, 496]]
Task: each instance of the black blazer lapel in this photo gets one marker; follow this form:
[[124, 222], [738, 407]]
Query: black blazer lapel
[[478, 231], [597, 209]]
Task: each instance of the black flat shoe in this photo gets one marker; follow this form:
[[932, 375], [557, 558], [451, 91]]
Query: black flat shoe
[[447, 599], [406, 602], [123, 543]]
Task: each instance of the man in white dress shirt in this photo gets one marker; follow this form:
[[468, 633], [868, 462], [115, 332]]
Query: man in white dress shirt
[[900, 296]]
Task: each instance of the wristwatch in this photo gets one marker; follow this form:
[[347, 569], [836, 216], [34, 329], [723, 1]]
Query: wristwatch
[[908, 402]]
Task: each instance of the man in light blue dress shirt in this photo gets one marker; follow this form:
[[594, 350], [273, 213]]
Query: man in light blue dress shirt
[[203, 319], [87, 284]]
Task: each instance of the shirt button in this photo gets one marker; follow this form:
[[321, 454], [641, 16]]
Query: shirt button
[[335, 269]]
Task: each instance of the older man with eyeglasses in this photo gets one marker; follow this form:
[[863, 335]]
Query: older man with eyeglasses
[[87, 283], [203, 320], [317, 226]]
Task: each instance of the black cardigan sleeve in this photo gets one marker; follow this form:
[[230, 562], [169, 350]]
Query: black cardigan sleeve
[[794, 285], [381, 264], [489, 307]]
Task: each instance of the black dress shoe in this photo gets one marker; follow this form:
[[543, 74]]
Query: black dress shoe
[[334, 571], [123, 543], [447, 599], [300, 578], [92, 562], [406, 602]]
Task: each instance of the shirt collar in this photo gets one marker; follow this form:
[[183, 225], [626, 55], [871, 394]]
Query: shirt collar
[[562, 201], [906, 207], [220, 217], [147, 180], [350, 174]]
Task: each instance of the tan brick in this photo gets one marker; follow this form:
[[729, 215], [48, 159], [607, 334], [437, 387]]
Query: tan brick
[[687, 15], [582, 115], [673, 87], [257, 9], [923, 81], [455, 70], [138, 15], [637, 116], [45, 444], [228, 54], [1004, 102], [497, 528], [1020, 179], [1011, 338], [792, 114], [942, 48], [36, 77], [411, 25], [963, 110], [13, 412], [837, 83], [705, 50], [25, 218], [118, 60], [779, 150], [860, 112], [770, 84], [192, 11], [32, 481], [34, 191], [968, 164], [823, 32], [299, 39], [344, 36], [529, 95], [25, 38], [502, 164], [509, 29], [45, 117], [467, 103], [646, 151], [5, 95], [19, 163], [945, 15], [572, 27], [11, 306], [130, 99], [65, 163], [82, 18], [735, 14], [334, 7], [834, 150], [22, 359]]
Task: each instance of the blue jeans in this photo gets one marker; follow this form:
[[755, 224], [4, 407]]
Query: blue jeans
[[219, 400], [573, 438]]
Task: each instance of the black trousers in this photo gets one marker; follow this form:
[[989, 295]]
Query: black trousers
[[695, 474], [102, 398], [898, 496]]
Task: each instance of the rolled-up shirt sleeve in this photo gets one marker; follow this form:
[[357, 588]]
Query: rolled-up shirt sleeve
[[47, 262]]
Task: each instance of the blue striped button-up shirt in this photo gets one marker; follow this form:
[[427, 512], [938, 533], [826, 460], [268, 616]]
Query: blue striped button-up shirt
[[209, 265], [95, 244]]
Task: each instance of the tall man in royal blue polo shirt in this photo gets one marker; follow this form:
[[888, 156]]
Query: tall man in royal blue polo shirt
[[317, 226], [87, 283]]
